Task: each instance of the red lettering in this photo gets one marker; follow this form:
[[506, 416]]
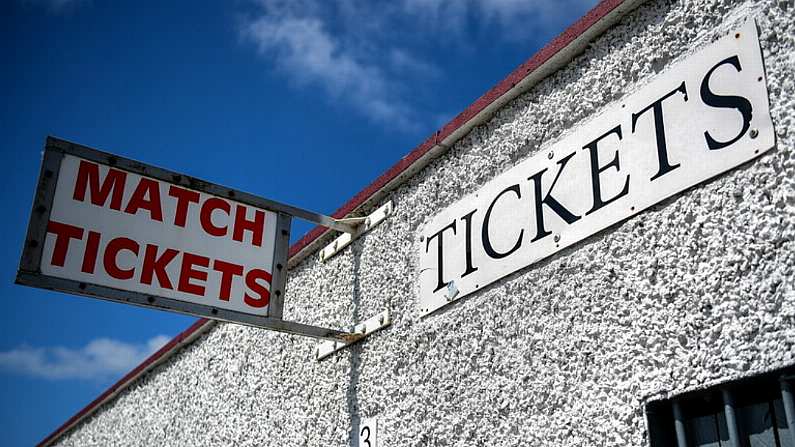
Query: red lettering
[[63, 234], [257, 226], [228, 271], [90, 257], [88, 177], [111, 252], [157, 266], [184, 198], [187, 272], [263, 292], [206, 214], [146, 188]]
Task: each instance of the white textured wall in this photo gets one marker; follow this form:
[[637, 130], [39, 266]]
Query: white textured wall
[[697, 290]]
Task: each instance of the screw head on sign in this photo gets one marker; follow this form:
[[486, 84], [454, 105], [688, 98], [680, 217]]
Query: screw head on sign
[[557, 238], [452, 291], [754, 133]]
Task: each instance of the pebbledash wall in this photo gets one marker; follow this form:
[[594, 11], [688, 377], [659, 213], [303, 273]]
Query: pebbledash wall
[[696, 291]]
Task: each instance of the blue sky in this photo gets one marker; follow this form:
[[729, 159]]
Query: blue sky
[[304, 102]]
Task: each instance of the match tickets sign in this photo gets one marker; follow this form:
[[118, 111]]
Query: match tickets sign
[[705, 115], [117, 229]]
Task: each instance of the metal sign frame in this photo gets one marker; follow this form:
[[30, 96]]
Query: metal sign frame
[[30, 273]]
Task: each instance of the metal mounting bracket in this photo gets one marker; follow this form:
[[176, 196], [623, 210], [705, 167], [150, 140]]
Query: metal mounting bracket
[[361, 225], [363, 329]]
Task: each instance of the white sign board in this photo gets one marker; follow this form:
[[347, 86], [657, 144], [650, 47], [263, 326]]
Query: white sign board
[[704, 116], [120, 230], [368, 433]]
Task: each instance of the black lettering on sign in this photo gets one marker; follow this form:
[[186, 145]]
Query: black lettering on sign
[[366, 439], [727, 102], [440, 254], [654, 132], [485, 229], [596, 170], [659, 130], [467, 218], [550, 201]]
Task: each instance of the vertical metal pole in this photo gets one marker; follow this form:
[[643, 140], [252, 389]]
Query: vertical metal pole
[[789, 406], [679, 424], [279, 268], [731, 418]]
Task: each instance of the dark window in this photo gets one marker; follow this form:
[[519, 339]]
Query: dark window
[[755, 412]]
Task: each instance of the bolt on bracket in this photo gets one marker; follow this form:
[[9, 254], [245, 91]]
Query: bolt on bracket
[[358, 332], [361, 225]]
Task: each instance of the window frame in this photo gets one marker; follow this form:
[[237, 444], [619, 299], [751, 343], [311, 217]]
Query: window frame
[[667, 419]]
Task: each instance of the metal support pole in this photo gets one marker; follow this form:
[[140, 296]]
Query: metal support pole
[[731, 418], [789, 406], [349, 225], [679, 425]]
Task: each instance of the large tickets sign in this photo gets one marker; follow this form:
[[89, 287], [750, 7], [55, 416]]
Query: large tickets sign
[[704, 116], [116, 229]]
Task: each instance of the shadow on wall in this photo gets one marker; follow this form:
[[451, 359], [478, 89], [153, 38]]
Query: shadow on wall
[[356, 352]]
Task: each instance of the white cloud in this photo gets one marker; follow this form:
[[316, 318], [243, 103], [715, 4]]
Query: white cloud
[[514, 19], [368, 55], [308, 53], [100, 358], [447, 15], [404, 62]]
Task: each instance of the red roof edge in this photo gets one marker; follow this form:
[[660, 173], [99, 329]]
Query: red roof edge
[[558, 44]]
